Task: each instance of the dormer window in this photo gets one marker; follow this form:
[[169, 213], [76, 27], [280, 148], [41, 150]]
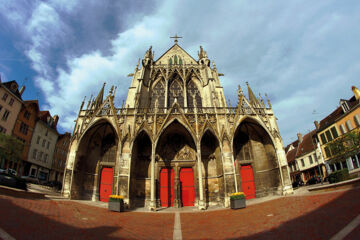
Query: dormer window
[[344, 106], [14, 87]]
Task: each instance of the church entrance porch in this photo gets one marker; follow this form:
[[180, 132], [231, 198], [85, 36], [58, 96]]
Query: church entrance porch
[[93, 167], [175, 167]]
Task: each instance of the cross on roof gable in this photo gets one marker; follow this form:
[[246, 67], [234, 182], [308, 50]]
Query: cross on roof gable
[[180, 52]]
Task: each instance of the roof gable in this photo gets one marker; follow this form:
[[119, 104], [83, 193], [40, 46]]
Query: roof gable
[[306, 146], [176, 50]]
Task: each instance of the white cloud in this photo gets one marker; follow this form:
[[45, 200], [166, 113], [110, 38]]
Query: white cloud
[[304, 54]]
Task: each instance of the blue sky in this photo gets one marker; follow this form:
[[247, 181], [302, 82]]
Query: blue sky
[[304, 54]]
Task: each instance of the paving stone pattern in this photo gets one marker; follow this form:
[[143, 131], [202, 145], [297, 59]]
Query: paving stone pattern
[[26, 215]]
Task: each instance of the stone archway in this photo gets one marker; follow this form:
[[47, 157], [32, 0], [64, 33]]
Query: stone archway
[[254, 155], [97, 151], [212, 169], [175, 151], [140, 171]]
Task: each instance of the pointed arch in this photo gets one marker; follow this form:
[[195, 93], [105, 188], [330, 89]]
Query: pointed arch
[[193, 94], [167, 124], [173, 141], [254, 149], [158, 94], [97, 148], [140, 170], [212, 168], [176, 90]]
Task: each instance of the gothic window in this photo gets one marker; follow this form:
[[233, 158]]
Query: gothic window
[[176, 91], [170, 61], [175, 59], [180, 61], [158, 93], [193, 94]]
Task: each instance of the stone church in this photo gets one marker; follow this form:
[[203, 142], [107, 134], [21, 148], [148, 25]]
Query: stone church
[[176, 141]]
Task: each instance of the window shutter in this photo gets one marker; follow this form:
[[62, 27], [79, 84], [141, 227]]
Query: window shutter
[[349, 125], [357, 120]]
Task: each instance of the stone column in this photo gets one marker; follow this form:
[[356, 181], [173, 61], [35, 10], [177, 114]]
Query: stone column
[[152, 183], [201, 190], [177, 200]]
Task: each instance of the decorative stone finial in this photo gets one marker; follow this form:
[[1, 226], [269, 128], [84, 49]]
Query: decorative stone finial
[[240, 91], [268, 100]]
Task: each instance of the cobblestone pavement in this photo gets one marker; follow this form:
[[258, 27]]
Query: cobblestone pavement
[[26, 215]]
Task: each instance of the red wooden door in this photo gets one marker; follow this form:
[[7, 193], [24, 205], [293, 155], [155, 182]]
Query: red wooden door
[[187, 186], [167, 187], [247, 180], [106, 182]]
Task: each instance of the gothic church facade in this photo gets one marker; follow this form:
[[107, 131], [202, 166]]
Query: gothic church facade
[[176, 141]]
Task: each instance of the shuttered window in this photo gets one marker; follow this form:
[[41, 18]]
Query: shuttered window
[[334, 132], [357, 120], [342, 129], [323, 139], [328, 135], [349, 125]]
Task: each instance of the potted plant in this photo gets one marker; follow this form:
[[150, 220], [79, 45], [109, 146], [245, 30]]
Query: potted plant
[[237, 200], [116, 203]]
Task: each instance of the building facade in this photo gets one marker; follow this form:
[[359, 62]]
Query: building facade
[[305, 159], [59, 159], [23, 130], [10, 106], [42, 146], [339, 136], [175, 141]]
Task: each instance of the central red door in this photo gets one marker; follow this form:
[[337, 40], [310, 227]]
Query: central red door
[[167, 187], [247, 180], [187, 187], [106, 182]]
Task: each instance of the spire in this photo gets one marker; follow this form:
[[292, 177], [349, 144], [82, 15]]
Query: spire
[[268, 100], [100, 97], [82, 103], [214, 66], [262, 101], [89, 102], [253, 100]]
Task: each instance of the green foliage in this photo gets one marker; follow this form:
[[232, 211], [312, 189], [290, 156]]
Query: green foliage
[[10, 147], [345, 146], [339, 176]]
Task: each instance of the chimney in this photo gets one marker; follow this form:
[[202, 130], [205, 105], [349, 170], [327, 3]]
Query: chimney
[[356, 92], [317, 126], [300, 137], [56, 119], [22, 89]]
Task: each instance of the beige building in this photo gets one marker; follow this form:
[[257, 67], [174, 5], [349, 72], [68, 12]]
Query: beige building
[[333, 134], [42, 146], [10, 105], [305, 158], [176, 141]]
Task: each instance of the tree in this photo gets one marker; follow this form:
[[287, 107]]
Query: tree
[[10, 148], [345, 146]]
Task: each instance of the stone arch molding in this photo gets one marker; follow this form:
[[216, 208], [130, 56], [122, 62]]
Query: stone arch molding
[[257, 121], [93, 123], [167, 124]]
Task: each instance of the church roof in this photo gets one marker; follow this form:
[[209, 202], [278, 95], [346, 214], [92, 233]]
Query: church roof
[[176, 50]]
